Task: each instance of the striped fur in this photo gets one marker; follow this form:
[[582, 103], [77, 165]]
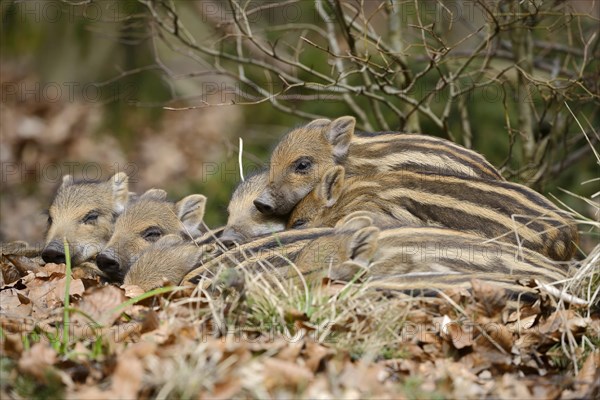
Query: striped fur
[[421, 258], [496, 210], [275, 251], [305, 154], [432, 284], [420, 153], [418, 260]]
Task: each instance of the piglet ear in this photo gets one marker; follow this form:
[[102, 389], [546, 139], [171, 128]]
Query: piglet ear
[[329, 189], [190, 211], [363, 245], [354, 221], [339, 134], [154, 194], [67, 180], [318, 123], [120, 190]]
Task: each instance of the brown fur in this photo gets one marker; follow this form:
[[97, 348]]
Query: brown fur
[[419, 153], [397, 259], [84, 213], [245, 222], [325, 143], [316, 143], [492, 209], [146, 221], [417, 257], [166, 260], [272, 253]]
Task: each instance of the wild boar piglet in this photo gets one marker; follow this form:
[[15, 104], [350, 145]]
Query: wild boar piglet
[[420, 257], [166, 260], [306, 153], [143, 223], [496, 210], [245, 222], [84, 212]]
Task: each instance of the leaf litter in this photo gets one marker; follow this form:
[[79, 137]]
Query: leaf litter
[[259, 342]]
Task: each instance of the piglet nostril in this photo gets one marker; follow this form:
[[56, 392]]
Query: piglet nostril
[[54, 255], [107, 263], [264, 208]]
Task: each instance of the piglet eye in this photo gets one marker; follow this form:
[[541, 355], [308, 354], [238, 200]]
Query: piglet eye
[[298, 223], [302, 165], [49, 220], [90, 217], [152, 234]]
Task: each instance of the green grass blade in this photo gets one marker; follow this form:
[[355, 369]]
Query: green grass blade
[[66, 312]]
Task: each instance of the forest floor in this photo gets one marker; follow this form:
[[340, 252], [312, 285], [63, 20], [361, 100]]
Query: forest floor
[[68, 335]]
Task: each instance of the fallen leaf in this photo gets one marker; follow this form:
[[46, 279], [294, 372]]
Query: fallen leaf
[[455, 333], [293, 315], [52, 268], [496, 334], [9, 300], [280, 372], [315, 354], [127, 378], [132, 291], [562, 320], [11, 345], [491, 299], [150, 321], [587, 378], [290, 351], [76, 288], [523, 324], [363, 376], [99, 303], [37, 360]]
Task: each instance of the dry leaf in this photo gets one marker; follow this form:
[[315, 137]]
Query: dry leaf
[[293, 315], [290, 351], [11, 345], [100, 302], [490, 299], [76, 288], [453, 332], [562, 320], [363, 377], [37, 360], [129, 371], [9, 300], [132, 291], [496, 335], [587, 379], [523, 324], [280, 372], [315, 354]]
